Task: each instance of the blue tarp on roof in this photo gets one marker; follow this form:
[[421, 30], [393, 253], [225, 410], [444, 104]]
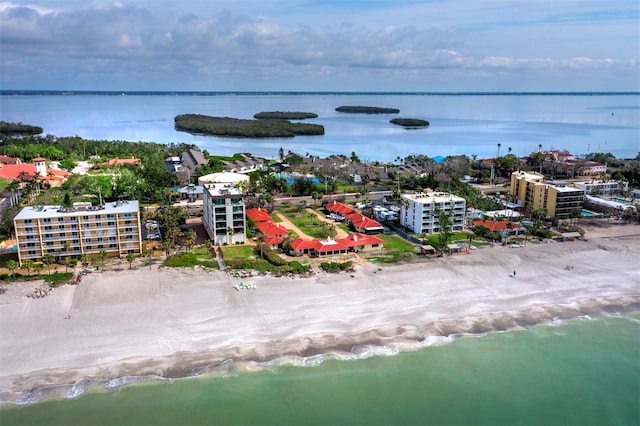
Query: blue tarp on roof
[[438, 159]]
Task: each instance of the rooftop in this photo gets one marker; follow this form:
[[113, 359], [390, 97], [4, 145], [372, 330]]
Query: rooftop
[[79, 209], [432, 197]]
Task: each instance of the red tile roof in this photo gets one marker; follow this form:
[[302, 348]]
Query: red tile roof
[[361, 221], [273, 240], [13, 171], [258, 215], [495, 225], [271, 229], [300, 244], [338, 207], [356, 239]]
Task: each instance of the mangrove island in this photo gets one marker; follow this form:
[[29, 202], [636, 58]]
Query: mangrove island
[[241, 128], [367, 110], [409, 122], [285, 115]]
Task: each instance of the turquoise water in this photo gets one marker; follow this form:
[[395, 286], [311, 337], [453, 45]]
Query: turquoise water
[[579, 372], [587, 213]]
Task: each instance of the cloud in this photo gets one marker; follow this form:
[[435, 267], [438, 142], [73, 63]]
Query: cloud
[[142, 42]]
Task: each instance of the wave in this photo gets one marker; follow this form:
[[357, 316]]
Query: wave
[[311, 351]]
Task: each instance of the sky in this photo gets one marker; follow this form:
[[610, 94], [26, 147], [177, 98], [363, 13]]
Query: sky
[[321, 45]]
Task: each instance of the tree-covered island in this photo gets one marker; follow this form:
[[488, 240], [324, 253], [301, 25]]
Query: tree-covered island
[[285, 115], [409, 122], [18, 129], [367, 110], [242, 128]]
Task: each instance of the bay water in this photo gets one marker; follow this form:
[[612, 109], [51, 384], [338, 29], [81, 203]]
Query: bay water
[[459, 123], [576, 372]]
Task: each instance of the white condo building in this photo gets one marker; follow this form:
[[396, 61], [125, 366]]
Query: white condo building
[[82, 229], [419, 212], [224, 213]]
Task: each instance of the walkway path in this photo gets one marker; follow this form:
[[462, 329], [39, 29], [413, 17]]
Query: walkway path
[[341, 233], [289, 225]]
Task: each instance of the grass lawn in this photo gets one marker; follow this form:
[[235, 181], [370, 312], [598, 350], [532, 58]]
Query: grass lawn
[[395, 249], [238, 252], [198, 256], [309, 223]]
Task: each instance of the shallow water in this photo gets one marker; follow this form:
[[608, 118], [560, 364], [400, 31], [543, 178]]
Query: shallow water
[[577, 372]]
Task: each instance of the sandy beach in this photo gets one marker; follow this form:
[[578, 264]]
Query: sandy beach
[[174, 323]]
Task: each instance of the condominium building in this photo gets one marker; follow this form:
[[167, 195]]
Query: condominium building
[[224, 213], [562, 201], [420, 211], [557, 200], [81, 229]]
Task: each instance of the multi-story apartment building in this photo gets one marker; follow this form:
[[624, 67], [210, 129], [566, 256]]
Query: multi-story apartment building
[[420, 212], [81, 229], [557, 200], [562, 201], [224, 213]]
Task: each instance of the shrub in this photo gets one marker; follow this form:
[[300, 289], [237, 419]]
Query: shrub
[[336, 267]]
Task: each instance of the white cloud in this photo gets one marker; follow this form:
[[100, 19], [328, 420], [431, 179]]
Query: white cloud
[[147, 41]]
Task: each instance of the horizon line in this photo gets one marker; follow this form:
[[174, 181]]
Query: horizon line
[[307, 92]]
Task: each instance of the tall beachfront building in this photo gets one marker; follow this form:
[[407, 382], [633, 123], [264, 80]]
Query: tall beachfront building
[[82, 229], [420, 211], [558, 200], [224, 213]]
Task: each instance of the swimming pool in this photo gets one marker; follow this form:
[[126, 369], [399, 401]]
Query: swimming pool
[[588, 213]]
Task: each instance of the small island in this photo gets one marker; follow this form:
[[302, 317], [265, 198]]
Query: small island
[[409, 122], [241, 128], [285, 115], [18, 129], [367, 110]]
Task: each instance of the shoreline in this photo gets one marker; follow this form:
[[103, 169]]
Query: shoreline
[[45, 385], [167, 324]]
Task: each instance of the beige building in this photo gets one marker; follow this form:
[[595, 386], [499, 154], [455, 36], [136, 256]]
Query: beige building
[[81, 229], [533, 193]]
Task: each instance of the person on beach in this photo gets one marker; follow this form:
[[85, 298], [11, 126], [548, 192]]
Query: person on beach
[[514, 274]]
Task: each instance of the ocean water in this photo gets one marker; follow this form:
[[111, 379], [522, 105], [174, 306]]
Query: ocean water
[[576, 372], [459, 123]]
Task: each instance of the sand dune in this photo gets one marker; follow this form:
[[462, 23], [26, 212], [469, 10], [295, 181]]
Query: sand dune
[[175, 323]]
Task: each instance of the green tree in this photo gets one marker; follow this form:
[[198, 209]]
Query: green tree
[[12, 265], [48, 260], [444, 220], [103, 255], [27, 264], [38, 267], [130, 258]]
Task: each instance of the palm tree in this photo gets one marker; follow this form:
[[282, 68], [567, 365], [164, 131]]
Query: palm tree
[[103, 255], [38, 267], [130, 258], [499, 145], [229, 234], [191, 238], [47, 259], [27, 264], [316, 196], [166, 246], [12, 265]]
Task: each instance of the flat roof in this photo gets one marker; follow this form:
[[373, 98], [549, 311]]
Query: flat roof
[[42, 212], [432, 197], [218, 189]]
